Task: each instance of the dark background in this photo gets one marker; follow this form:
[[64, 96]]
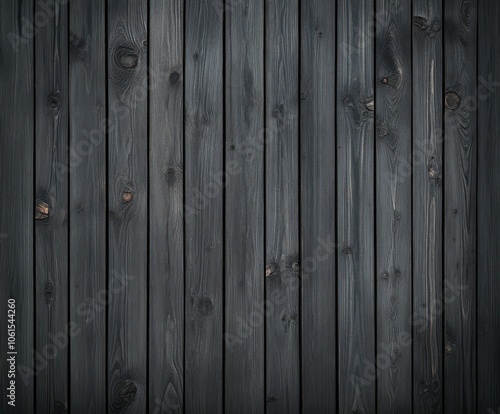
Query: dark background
[[251, 206]]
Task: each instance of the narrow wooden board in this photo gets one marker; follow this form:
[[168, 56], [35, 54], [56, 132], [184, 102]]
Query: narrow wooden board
[[17, 206], [204, 197], [318, 221], [51, 191], [88, 197], [166, 226], [427, 173], [488, 205], [393, 135], [128, 205], [356, 199], [460, 191], [244, 219]]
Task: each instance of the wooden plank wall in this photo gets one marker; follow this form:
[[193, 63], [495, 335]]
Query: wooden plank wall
[[250, 206]]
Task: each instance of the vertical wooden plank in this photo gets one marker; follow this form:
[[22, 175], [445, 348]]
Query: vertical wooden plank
[[16, 209], [282, 206], [244, 229], [393, 205], [427, 206], [166, 229], [87, 106], [128, 207], [204, 207], [317, 177], [460, 47], [355, 178], [488, 205], [51, 231]]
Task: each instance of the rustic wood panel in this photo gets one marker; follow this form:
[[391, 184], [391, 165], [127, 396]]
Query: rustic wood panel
[[166, 186], [317, 197], [427, 173], [244, 206], [282, 206], [51, 192], [393, 105], [488, 204], [355, 216], [16, 214], [127, 205], [460, 49], [88, 197], [250, 205], [204, 149]]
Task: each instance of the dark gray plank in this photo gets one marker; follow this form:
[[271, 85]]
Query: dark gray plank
[[393, 206], [128, 205], [51, 230], [460, 48], [166, 229], [16, 209], [488, 205], [244, 223], [427, 173], [204, 207], [317, 178], [87, 106], [355, 178], [282, 206]]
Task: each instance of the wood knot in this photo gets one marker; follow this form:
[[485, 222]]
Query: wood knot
[[370, 105], [126, 58], [430, 29], [127, 196], [452, 101], [203, 305], [278, 111], [385, 81], [48, 291], [54, 101], [60, 407], [449, 348], [174, 78], [123, 393], [295, 267], [41, 211], [271, 269]]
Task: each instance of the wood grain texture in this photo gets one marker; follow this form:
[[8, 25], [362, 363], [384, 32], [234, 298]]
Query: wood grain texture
[[355, 217], [51, 189], [427, 173], [393, 205], [16, 209], [204, 197], [244, 218], [166, 178], [282, 206], [488, 205], [460, 54], [317, 180], [128, 205], [87, 108]]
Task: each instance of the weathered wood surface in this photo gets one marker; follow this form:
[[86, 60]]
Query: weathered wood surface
[[318, 198], [87, 225], [393, 137], [249, 206], [204, 223], [488, 205], [52, 210], [127, 205], [17, 205], [356, 206], [244, 208], [166, 192], [427, 173], [282, 271], [460, 146]]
